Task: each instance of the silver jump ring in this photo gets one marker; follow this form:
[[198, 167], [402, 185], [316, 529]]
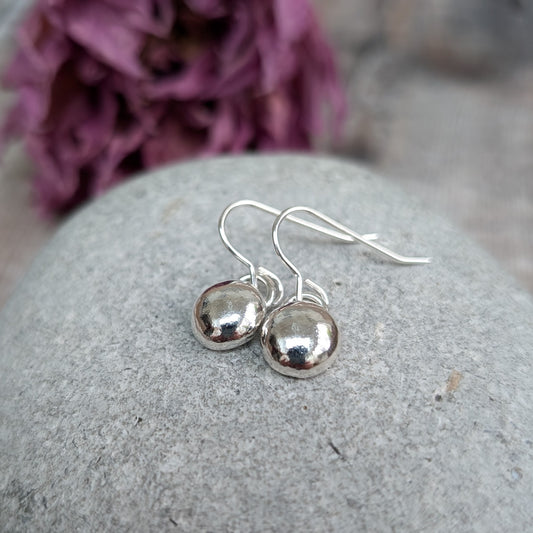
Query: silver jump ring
[[271, 282]]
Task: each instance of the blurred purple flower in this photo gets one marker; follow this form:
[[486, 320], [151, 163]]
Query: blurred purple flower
[[109, 87]]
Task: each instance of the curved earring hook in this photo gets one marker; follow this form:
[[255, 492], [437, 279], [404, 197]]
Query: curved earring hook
[[401, 259], [343, 236]]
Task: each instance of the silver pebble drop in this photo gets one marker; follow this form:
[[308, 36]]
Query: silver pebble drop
[[300, 339], [227, 315]]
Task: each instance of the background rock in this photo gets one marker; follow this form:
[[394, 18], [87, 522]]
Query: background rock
[[477, 37]]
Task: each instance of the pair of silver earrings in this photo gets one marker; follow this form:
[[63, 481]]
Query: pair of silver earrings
[[299, 337]]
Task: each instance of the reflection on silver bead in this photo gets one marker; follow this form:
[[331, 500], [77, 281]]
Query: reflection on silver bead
[[227, 315], [300, 339]]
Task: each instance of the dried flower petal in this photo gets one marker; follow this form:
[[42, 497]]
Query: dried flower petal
[[110, 87]]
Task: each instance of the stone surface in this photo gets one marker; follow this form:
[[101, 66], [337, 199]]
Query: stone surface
[[114, 418]]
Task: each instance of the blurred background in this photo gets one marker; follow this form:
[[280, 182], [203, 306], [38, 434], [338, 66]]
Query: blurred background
[[440, 101]]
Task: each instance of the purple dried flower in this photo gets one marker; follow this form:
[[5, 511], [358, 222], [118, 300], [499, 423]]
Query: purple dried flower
[[109, 87]]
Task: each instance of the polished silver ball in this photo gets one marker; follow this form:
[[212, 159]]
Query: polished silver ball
[[227, 315], [300, 339]]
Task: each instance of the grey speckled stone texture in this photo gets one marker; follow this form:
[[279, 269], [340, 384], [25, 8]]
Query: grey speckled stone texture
[[113, 417]]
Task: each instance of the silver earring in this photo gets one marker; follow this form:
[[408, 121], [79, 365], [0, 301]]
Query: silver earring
[[229, 314], [301, 339]]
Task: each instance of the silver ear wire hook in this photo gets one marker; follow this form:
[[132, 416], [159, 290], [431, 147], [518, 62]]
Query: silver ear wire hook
[[229, 313], [287, 213], [343, 235]]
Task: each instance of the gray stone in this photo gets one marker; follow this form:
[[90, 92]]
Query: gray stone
[[114, 418]]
